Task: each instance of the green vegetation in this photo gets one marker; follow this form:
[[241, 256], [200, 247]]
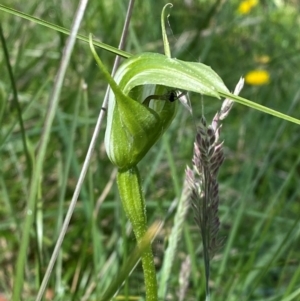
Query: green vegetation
[[258, 181]]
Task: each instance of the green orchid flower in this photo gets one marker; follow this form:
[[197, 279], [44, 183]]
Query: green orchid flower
[[133, 126]]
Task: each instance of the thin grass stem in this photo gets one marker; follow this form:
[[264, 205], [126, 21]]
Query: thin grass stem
[[16, 101], [85, 164], [64, 31]]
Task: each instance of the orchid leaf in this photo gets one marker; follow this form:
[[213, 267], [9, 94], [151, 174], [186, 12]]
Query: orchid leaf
[[259, 107]]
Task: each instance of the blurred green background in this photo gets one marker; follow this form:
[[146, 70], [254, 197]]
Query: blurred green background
[[259, 180]]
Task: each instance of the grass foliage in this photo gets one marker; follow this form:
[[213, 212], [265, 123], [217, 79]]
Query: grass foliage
[[258, 182]]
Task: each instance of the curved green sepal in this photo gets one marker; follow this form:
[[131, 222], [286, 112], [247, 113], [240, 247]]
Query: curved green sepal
[[157, 69]]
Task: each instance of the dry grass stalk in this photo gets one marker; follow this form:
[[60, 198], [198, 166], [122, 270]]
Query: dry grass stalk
[[185, 271], [207, 159]]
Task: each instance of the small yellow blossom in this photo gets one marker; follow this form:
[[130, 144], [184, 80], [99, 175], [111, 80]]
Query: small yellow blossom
[[246, 6], [257, 77], [263, 59]]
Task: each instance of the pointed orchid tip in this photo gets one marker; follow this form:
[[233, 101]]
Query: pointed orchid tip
[[163, 28], [239, 86]]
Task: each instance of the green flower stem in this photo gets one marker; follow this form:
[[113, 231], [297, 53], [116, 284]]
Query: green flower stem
[[132, 198]]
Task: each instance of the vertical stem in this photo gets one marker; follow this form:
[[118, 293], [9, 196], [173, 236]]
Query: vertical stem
[[206, 229], [205, 244], [207, 272], [130, 190]]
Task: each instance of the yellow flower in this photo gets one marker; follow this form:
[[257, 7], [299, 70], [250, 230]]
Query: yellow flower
[[246, 6], [263, 59], [257, 77]]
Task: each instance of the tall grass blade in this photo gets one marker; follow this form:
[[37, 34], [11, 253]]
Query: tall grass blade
[[179, 218], [133, 259], [16, 101], [63, 30]]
